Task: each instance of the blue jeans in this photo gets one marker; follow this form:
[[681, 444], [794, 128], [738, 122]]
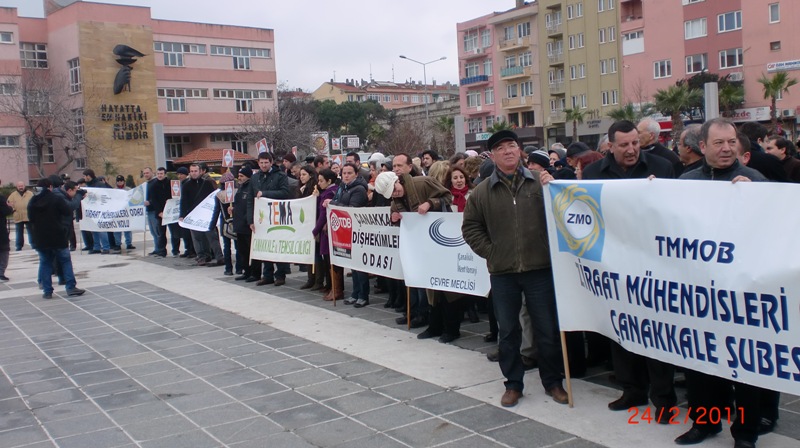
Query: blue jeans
[[360, 285], [128, 238], [101, 241], [540, 299], [158, 232], [46, 259], [21, 227]]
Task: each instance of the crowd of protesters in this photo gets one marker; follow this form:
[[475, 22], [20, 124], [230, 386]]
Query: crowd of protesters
[[485, 187]]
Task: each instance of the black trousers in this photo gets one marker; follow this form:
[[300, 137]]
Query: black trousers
[[710, 395], [243, 247], [639, 375]]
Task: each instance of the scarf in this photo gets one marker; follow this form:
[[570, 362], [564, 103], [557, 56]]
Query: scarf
[[459, 197]]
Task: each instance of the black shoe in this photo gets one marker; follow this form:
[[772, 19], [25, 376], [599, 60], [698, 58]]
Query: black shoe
[[766, 426], [227, 273], [694, 436], [74, 292], [473, 315], [85, 249], [419, 322], [71, 249], [493, 356], [105, 252], [264, 281], [447, 338], [280, 281], [738, 443], [664, 414], [388, 304], [490, 337], [242, 277], [401, 320], [47, 295], [427, 334], [401, 309], [307, 285], [627, 401], [252, 279], [215, 263], [92, 252], [3, 278], [130, 247]]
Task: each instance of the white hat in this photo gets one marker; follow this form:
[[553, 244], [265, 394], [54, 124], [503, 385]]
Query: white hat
[[471, 153], [384, 183], [376, 156]]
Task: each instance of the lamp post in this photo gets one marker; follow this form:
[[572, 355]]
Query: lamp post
[[424, 78]]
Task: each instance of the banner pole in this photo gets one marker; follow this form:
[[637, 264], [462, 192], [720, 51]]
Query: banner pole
[[566, 368], [408, 308], [144, 239], [333, 285]]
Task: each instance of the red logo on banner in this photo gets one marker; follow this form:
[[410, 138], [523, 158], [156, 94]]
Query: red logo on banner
[[341, 233]]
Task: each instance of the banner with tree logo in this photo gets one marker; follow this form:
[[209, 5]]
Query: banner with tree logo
[[284, 230], [114, 210]]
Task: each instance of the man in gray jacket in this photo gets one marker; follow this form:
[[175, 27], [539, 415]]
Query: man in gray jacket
[[504, 222]]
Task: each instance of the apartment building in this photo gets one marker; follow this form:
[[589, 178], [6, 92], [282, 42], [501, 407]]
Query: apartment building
[[663, 42], [390, 95], [189, 86]]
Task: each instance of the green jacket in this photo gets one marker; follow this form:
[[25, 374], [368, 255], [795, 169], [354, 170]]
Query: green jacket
[[421, 189], [508, 229]]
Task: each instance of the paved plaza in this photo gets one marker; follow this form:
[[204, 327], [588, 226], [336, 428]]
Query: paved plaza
[[158, 353]]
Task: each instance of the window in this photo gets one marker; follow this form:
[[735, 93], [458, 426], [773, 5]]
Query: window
[[553, 106], [489, 121], [175, 145], [188, 93], [487, 67], [731, 58], [612, 65], [528, 118], [692, 29], [508, 33], [387, 98], [574, 101], [511, 91], [662, 69], [524, 29], [579, 9], [239, 145], [605, 98], [9, 141], [774, 13], [615, 97], [610, 4], [473, 99], [729, 21], [8, 89], [415, 98], [475, 125], [177, 47], [571, 40], [241, 63], [486, 38], [603, 66], [36, 103], [602, 35], [176, 104], [581, 71], [471, 70], [48, 156], [488, 96], [612, 33], [511, 61], [570, 12], [258, 94], [696, 63], [581, 42], [173, 59], [584, 103], [470, 41], [6, 37], [74, 75], [526, 88], [77, 124], [80, 163], [33, 55], [689, 2], [525, 59], [633, 35], [601, 5], [775, 46], [573, 72], [216, 138], [217, 50]]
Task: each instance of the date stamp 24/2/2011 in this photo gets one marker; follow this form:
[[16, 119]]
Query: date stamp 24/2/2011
[[701, 415]]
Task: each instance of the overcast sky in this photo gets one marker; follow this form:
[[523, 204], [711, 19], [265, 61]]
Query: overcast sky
[[314, 39]]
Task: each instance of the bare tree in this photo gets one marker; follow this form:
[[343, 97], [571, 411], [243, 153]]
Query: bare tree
[[290, 127], [51, 117], [405, 136]]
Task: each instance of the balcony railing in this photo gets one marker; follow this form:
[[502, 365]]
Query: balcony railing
[[557, 87], [554, 28], [517, 42], [555, 58], [557, 116], [519, 101], [474, 79], [512, 71]]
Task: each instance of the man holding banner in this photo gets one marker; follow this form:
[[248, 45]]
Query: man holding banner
[[504, 222], [198, 191], [270, 183]]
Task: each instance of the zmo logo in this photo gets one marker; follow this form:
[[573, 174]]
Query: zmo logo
[[579, 219], [581, 228], [337, 222]]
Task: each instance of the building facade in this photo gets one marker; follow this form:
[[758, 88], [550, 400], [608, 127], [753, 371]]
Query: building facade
[[390, 95], [141, 91]]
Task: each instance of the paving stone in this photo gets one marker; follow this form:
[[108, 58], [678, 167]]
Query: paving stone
[[281, 439], [65, 410], [28, 366], [79, 425], [528, 433], [281, 401], [39, 375], [357, 367], [328, 358], [108, 438], [77, 368], [380, 378], [44, 386], [305, 349], [390, 417], [198, 359], [430, 432], [181, 389], [234, 377], [15, 420], [126, 399], [444, 402], [264, 357], [23, 436], [483, 418], [135, 360], [149, 368], [359, 402], [301, 378], [254, 428], [476, 441], [225, 413], [254, 389], [579, 443], [330, 389], [375, 440], [158, 428], [197, 401], [216, 367], [147, 411], [163, 378], [55, 397], [334, 432], [409, 390], [103, 376], [303, 416], [193, 439]]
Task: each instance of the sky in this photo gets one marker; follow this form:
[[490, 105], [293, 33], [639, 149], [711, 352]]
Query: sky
[[316, 41]]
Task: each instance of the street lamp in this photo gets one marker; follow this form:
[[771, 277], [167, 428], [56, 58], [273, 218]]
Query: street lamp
[[424, 78]]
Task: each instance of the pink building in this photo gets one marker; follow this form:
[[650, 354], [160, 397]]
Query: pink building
[[663, 42], [191, 86]]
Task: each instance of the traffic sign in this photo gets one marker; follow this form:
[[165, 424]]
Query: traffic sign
[[227, 158]]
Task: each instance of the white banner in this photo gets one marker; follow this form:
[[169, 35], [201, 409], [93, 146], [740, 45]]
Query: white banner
[[200, 218], [114, 210], [364, 239], [284, 230], [172, 211], [439, 258], [698, 274]]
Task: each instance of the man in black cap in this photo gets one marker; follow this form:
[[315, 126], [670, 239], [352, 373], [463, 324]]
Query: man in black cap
[[493, 220]]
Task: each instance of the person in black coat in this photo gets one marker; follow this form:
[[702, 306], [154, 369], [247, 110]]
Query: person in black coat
[[193, 191], [47, 213], [238, 210], [5, 243], [271, 183], [353, 193]]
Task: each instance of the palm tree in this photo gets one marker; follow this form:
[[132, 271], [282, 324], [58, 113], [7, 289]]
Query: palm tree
[[674, 101], [630, 112], [730, 97], [773, 87], [500, 125], [445, 127], [576, 116]]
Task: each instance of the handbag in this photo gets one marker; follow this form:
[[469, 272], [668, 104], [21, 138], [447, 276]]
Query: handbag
[[227, 229]]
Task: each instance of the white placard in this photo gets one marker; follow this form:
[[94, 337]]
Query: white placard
[[284, 230], [114, 210], [172, 211], [200, 218], [364, 239]]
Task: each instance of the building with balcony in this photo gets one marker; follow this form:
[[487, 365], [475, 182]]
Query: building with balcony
[[390, 95], [742, 39], [184, 86]]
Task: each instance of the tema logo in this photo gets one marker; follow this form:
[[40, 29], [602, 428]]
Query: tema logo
[[579, 219]]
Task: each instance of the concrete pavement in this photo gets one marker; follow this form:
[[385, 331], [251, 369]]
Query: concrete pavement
[[158, 353]]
